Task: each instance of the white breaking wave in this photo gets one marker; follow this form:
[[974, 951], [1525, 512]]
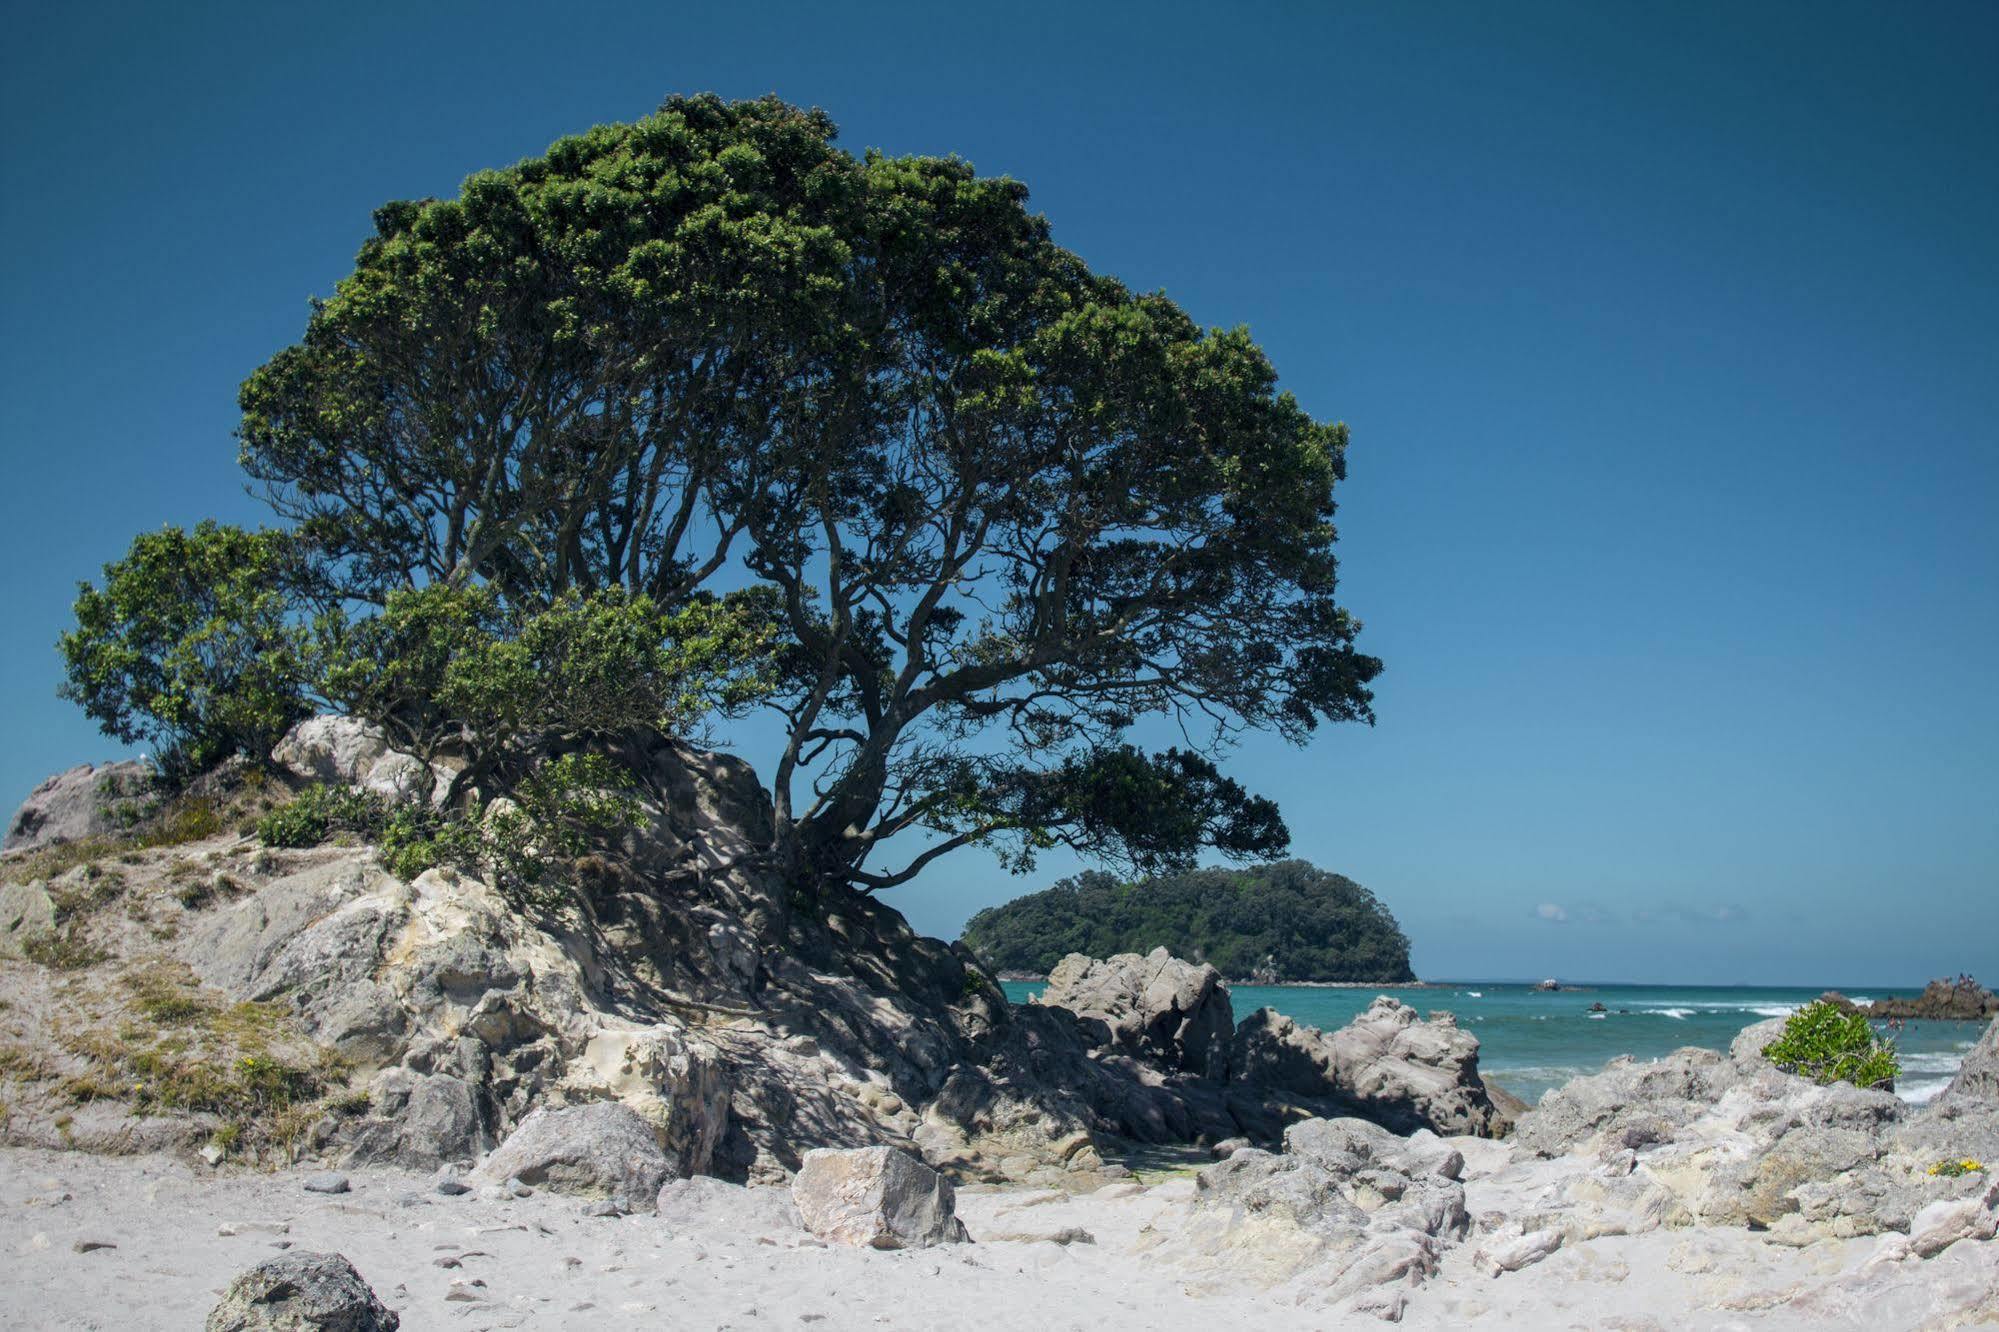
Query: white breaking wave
[[1677, 1014], [1475, 994], [1933, 1061], [1774, 1010], [1918, 1093]]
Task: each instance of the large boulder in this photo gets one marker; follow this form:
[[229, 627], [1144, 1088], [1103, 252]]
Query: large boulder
[[346, 751], [601, 1150], [1156, 1006], [1976, 1085], [301, 1291], [1387, 1065], [876, 1197], [90, 800]]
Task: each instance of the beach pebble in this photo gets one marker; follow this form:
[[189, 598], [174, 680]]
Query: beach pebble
[[328, 1182]]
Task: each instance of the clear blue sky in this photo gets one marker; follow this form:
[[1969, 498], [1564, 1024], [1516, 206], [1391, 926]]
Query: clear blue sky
[[1669, 337]]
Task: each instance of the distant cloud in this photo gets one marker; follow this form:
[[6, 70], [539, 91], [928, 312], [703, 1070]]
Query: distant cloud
[[1693, 914], [1549, 911]]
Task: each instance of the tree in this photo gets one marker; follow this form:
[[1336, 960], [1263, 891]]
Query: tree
[[1004, 508], [190, 646]]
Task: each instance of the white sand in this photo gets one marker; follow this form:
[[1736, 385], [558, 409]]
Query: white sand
[[539, 1262]]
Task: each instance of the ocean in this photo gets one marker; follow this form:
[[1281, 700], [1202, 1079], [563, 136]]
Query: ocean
[[1531, 1041]]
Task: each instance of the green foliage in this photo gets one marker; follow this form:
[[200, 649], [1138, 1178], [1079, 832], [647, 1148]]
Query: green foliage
[[189, 646], [447, 664], [318, 812], [1288, 921], [1003, 509], [1827, 1045]]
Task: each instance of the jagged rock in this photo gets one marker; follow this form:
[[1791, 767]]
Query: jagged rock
[[1746, 1050], [673, 1080], [1347, 1207], [300, 1291], [89, 800], [1976, 1084], [875, 1197], [416, 1119], [1805, 1161], [1156, 1005], [600, 1150], [1631, 1104], [1960, 999], [346, 751], [1387, 1065]]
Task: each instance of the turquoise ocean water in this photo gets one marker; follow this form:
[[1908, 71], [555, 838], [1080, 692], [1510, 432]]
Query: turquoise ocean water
[[1530, 1041]]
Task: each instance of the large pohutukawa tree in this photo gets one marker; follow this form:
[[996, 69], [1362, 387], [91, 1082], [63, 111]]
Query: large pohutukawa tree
[[1004, 509]]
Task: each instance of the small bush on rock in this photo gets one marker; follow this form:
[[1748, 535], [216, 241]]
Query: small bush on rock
[[317, 813], [1826, 1045]]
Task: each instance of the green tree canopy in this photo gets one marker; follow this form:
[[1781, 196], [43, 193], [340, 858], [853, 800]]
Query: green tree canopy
[[1004, 508], [1289, 921]]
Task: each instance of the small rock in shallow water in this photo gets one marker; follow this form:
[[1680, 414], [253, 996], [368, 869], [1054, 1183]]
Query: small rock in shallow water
[[330, 1182]]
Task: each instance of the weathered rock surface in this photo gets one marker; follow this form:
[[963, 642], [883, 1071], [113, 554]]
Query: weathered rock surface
[[301, 1292], [345, 751], [1387, 1065], [1156, 1005], [27, 912], [1958, 999], [875, 1197], [601, 1150], [1347, 1210], [90, 800], [1976, 1084], [1631, 1104]]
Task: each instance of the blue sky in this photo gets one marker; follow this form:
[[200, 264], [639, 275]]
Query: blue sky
[[1669, 338]]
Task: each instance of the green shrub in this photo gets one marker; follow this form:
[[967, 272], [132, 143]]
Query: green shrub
[[1828, 1045], [190, 646], [320, 811]]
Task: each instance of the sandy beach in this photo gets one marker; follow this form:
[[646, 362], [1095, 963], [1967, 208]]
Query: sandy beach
[[149, 1242]]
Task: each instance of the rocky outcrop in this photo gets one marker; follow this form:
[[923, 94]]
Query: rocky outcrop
[[90, 800], [1960, 999], [1156, 1006], [1387, 1065], [601, 1150], [301, 1292], [1352, 1212], [346, 751], [1976, 1084], [876, 1197], [1629, 1105]]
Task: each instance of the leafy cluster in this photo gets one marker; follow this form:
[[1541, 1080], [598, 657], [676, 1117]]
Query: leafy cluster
[[1827, 1045], [1288, 921]]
